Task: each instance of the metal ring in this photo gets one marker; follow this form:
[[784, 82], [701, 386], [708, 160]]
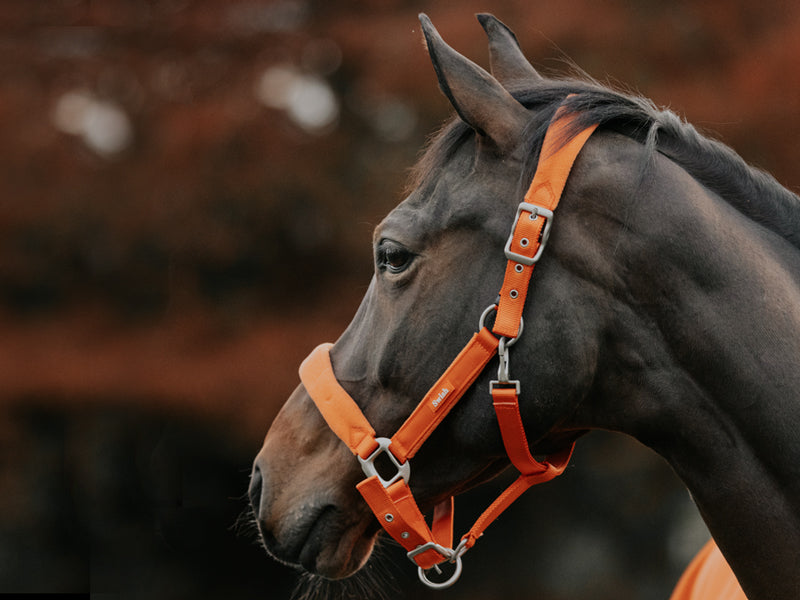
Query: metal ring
[[485, 314], [489, 309], [445, 584]]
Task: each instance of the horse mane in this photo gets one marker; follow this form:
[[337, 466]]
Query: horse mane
[[753, 192]]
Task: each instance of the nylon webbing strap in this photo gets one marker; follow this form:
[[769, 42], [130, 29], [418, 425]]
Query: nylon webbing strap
[[526, 240], [397, 511], [338, 409], [553, 467], [444, 394], [506, 406]]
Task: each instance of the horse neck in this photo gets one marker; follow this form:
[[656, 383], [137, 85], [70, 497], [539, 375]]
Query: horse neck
[[704, 360]]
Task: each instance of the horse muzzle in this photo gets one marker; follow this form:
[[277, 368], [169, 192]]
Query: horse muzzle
[[307, 513]]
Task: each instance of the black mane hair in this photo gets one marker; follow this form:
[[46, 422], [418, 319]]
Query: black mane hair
[[751, 191]]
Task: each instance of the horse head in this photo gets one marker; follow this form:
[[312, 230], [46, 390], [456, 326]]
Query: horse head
[[439, 262], [666, 307]]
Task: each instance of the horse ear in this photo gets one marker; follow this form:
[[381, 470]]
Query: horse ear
[[479, 99], [508, 63]]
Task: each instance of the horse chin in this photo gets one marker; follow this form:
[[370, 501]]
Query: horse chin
[[325, 544], [338, 556]]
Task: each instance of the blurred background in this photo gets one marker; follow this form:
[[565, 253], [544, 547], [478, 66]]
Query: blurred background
[[187, 193]]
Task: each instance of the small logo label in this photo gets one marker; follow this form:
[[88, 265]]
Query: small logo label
[[439, 397]]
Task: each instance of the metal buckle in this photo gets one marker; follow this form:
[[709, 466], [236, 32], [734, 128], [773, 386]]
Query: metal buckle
[[536, 211], [452, 555], [495, 383], [368, 464]]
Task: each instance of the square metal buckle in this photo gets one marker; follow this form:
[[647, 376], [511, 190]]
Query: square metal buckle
[[494, 383], [536, 211]]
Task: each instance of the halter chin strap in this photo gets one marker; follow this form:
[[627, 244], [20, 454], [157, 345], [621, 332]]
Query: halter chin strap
[[391, 499]]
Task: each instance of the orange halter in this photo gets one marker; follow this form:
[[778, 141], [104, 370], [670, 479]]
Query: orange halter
[[391, 500]]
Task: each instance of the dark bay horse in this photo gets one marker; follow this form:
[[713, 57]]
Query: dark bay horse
[[666, 306]]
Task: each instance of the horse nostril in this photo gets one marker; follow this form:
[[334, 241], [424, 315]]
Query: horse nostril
[[256, 483]]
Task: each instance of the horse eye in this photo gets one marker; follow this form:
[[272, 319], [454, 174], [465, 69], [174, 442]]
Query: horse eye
[[393, 257]]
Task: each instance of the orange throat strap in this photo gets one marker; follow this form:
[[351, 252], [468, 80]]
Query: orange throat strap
[[391, 499]]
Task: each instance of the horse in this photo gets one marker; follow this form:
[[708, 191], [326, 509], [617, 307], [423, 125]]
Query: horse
[[665, 306]]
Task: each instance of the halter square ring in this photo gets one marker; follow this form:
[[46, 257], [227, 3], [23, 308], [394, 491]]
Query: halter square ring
[[368, 464]]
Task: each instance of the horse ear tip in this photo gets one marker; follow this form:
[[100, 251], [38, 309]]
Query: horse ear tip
[[428, 30]]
